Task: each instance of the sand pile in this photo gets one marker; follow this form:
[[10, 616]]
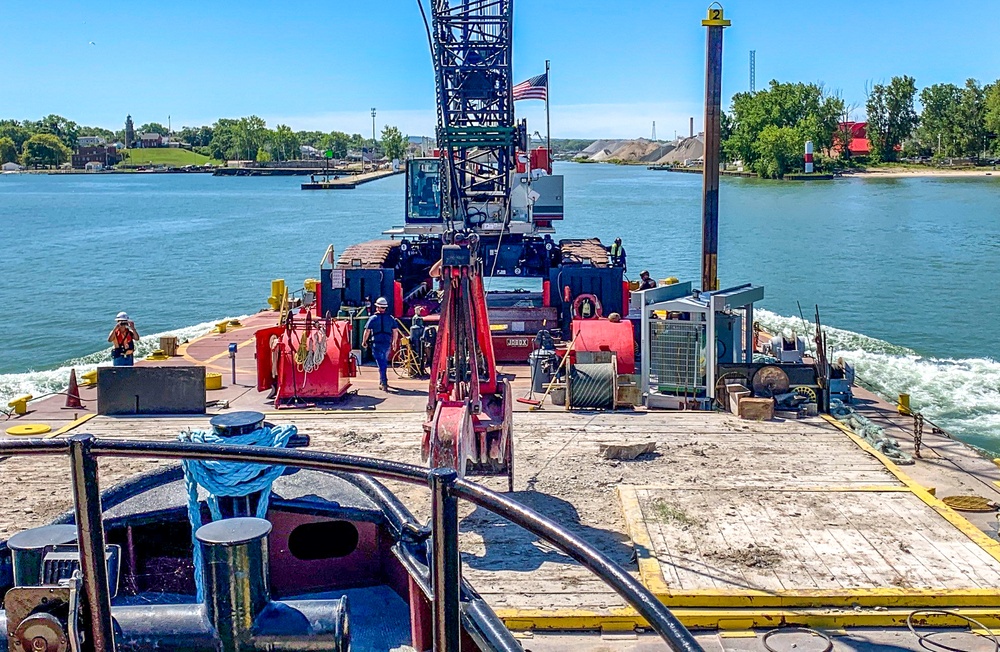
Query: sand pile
[[686, 149]]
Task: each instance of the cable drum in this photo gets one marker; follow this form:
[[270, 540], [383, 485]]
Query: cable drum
[[592, 386]]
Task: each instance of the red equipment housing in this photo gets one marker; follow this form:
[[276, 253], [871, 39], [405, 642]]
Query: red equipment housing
[[604, 335], [307, 358]]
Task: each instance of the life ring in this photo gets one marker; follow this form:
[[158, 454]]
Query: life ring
[[587, 306]]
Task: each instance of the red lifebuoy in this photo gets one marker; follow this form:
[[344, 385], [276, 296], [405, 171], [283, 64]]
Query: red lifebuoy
[[587, 306]]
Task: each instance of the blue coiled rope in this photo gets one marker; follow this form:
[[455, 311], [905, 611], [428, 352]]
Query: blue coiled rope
[[229, 479]]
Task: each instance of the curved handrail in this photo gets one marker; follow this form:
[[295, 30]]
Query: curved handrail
[[638, 596]]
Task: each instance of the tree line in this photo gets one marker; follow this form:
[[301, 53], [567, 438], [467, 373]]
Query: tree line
[[767, 129], [51, 140]]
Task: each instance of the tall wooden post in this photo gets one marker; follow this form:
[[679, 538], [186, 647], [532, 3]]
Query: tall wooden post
[[713, 126]]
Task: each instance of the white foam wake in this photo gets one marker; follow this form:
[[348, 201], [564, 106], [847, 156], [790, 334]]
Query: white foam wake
[[38, 383], [960, 395]]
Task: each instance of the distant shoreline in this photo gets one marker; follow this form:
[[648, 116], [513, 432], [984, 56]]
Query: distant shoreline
[[907, 172]]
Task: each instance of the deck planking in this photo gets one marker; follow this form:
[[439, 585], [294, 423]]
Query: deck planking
[[832, 513]]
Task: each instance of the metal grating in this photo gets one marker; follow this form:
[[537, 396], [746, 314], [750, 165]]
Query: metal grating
[[676, 356]]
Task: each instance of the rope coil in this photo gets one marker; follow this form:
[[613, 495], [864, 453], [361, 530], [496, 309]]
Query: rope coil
[[229, 479], [871, 432]]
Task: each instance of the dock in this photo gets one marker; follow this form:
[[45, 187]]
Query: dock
[[350, 181], [735, 524]]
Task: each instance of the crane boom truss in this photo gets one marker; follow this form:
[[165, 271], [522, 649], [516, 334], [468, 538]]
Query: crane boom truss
[[476, 131]]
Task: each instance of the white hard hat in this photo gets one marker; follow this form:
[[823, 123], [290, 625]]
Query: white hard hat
[[382, 303], [122, 316]]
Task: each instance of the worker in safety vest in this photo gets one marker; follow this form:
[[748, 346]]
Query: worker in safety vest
[[617, 252], [646, 283], [123, 338], [382, 333]]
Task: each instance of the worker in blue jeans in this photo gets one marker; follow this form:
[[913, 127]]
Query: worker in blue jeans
[[383, 334]]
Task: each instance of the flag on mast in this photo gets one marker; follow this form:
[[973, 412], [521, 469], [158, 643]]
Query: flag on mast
[[535, 88]]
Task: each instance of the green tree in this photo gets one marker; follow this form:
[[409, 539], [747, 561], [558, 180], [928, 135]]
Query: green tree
[[393, 143], [263, 156], [991, 109], [224, 145], [970, 136], [806, 108], [779, 150], [938, 119], [891, 116], [44, 149], [106, 134], [8, 150], [311, 138], [285, 143], [336, 141], [16, 131], [152, 128], [252, 134], [195, 136], [63, 129]]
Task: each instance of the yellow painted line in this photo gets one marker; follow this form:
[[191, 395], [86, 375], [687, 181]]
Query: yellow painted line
[[817, 598], [738, 633], [979, 537], [217, 355], [650, 573], [739, 620], [69, 426]]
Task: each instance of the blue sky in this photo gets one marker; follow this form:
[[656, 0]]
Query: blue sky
[[616, 65]]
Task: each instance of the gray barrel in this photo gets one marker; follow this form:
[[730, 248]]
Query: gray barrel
[[542, 364], [28, 550]]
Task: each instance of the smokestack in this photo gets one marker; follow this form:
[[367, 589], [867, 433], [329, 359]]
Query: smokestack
[[691, 128]]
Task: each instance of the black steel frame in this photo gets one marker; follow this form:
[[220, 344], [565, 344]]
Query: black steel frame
[[473, 73], [447, 488]]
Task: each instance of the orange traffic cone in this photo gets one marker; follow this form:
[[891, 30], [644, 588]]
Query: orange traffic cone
[[73, 392]]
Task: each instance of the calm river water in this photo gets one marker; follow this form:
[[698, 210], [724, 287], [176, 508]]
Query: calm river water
[[906, 270]]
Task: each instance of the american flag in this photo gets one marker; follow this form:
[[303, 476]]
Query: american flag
[[536, 88]]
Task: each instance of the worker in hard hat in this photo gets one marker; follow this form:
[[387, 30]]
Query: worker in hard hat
[[617, 253], [382, 333], [123, 338], [645, 282]]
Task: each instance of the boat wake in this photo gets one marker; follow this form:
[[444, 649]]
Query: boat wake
[[39, 383], [962, 396]]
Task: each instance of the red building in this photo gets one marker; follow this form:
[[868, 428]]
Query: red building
[[106, 155], [859, 139]]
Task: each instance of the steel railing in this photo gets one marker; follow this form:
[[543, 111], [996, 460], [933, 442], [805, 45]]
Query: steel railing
[[446, 489]]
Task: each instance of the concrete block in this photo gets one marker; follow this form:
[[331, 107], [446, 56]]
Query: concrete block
[[147, 389], [756, 409], [626, 451]]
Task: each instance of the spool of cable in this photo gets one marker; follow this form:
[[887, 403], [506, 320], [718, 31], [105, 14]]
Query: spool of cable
[[593, 386]]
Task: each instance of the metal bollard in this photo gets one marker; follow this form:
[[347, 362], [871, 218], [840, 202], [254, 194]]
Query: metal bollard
[[446, 562], [90, 538]]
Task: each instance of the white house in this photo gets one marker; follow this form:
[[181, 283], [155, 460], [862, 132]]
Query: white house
[[11, 167], [90, 141], [94, 166]]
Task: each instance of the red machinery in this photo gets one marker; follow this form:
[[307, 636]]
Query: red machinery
[[469, 409], [604, 335], [306, 358]]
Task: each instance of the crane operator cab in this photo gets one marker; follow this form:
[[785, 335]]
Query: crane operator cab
[[423, 191]]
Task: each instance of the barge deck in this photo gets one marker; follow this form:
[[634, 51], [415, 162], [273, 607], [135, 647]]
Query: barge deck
[[735, 524]]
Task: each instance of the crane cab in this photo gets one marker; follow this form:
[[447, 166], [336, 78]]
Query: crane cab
[[423, 191]]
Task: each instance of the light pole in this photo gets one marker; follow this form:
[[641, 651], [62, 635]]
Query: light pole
[[374, 142]]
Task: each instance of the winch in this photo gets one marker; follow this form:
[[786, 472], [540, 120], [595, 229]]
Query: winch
[[43, 612]]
